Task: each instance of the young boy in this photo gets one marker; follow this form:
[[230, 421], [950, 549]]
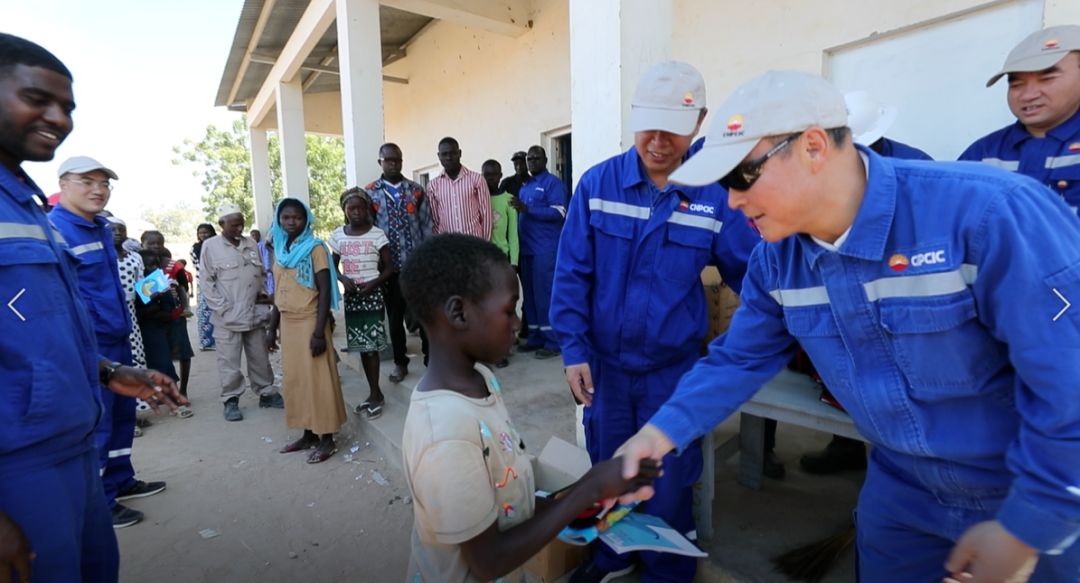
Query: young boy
[[179, 341], [504, 227], [464, 460], [933, 299]]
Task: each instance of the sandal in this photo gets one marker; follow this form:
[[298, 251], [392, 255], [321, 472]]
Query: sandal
[[299, 445], [373, 410], [320, 455], [183, 412]]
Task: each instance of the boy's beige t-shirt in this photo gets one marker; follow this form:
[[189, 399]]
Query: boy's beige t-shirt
[[466, 468]]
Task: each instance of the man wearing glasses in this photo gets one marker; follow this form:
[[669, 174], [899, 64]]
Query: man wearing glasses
[[85, 188], [627, 303], [934, 300]]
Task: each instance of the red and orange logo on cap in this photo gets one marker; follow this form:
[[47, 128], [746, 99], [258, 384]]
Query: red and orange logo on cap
[[735, 123], [898, 262], [1051, 44], [688, 99], [1074, 147]]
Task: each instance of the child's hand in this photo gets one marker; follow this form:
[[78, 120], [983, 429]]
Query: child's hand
[[348, 284], [271, 340], [317, 345], [607, 481]]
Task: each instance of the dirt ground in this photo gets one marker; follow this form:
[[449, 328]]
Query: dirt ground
[[236, 510]]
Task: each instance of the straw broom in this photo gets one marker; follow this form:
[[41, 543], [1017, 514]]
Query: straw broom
[[812, 562]]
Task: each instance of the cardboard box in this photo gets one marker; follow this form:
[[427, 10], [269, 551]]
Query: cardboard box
[[559, 465], [722, 303]]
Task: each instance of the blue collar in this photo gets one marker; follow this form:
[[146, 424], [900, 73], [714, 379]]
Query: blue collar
[[70, 217], [1016, 133], [21, 187], [870, 231]]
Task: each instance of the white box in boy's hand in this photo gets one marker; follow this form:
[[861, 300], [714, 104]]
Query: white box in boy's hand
[[559, 465]]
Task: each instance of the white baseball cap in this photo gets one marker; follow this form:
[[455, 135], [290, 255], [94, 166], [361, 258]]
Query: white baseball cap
[[227, 209], [669, 97], [868, 119], [82, 165], [776, 103], [1040, 50]]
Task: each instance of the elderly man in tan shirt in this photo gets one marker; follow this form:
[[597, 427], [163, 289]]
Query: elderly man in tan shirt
[[231, 277]]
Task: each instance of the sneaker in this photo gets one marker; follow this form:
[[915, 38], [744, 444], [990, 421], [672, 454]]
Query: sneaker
[[546, 353], [772, 467], [123, 517], [141, 489], [232, 410], [591, 573], [272, 401]]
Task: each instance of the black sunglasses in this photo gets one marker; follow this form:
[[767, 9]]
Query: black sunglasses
[[743, 176]]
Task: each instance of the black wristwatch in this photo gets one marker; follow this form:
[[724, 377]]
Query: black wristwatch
[[106, 372]]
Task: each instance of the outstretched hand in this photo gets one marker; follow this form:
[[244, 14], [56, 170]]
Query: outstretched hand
[[987, 553], [648, 444], [153, 387], [15, 553], [609, 482]]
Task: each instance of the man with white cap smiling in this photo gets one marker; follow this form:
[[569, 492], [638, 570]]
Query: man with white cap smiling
[[929, 296], [85, 189], [231, 279], [1043, 72], [627, 304]]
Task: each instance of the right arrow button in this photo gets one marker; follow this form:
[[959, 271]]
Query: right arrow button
[[1062, 298]]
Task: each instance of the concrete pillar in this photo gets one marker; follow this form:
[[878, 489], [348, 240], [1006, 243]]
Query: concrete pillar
[[260, 179], [360, 55], [612, 43], [290, 114]]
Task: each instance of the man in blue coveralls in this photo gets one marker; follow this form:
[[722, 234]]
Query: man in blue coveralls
[[627, 302], [933, 298], [54, 522], [541, 214], [85, 189], [1043, 72]]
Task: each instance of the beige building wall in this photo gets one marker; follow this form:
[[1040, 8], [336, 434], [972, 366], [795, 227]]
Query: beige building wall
[[494, 93]]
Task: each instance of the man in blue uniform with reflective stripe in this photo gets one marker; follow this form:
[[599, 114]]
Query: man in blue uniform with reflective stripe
[[1043, 72], [85, 189], [54, 522], [628, 304], [934, 300], [541, 206]]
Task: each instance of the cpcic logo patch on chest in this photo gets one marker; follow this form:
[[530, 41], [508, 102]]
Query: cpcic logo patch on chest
[[900, 262]]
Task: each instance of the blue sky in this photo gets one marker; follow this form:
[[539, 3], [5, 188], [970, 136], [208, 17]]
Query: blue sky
[[146, 75]]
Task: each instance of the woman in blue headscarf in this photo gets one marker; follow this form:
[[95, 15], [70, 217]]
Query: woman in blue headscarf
[[305, 291]]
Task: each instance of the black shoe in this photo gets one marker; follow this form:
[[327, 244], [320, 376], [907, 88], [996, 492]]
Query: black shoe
[[772, 468], [529, 348], [272, 401], [400, 372], [503, 363], [232, 410], [123, 517], [546, 353], [141, 489], [841, 454], [590, 573]]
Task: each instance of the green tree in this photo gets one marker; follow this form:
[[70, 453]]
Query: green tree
[[177, 223], [222, 160]]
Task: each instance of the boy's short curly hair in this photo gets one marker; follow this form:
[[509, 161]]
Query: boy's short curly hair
[[448, 265]]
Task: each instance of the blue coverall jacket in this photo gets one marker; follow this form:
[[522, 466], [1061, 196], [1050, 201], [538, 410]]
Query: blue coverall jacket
[[539, 228], [1053, 160], [940, 326], [48, 352], [99, 275], [627, 279]]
